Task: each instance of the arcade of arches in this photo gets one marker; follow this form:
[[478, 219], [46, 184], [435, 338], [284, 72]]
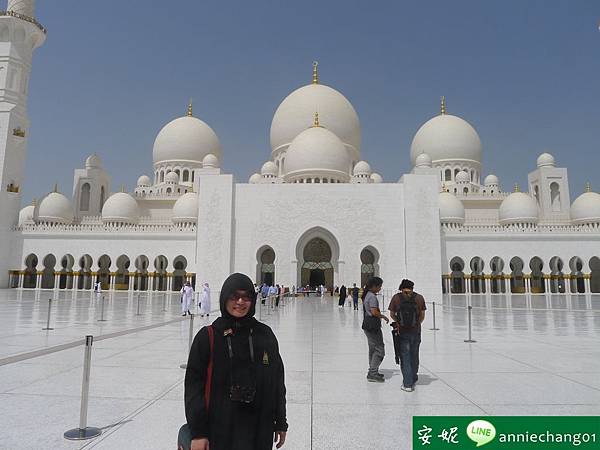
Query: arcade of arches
[[316, 265], [534, 276], [120, 274]]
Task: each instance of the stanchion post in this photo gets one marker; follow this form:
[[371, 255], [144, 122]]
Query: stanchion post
[[190, 339], [138, 305], [469, 308], [434, 327], [102, 319], [48, 319], [84, 432]]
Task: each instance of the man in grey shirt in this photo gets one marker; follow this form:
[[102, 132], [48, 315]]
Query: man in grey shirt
[[372, 328]]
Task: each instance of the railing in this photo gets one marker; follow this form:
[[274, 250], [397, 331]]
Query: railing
[[108, 228], [25, 18], [474, 228]]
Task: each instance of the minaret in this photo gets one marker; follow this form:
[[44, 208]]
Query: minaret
[[20, 35]]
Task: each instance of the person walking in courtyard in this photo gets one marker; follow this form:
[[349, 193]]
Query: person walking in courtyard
[[234, 382], [98, 290], [372, 328], [205, 301], [407, 309], [187, 298], [355, 291], [342, 300]]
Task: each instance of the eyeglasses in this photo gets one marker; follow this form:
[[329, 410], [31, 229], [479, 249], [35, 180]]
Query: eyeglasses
[[243, 297]]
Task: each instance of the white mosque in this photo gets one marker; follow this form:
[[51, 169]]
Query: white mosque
[[190, 220]]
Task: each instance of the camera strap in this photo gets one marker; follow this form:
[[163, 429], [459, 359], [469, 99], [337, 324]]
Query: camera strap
[[230, 350]]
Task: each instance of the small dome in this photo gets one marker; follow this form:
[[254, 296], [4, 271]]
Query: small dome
[[546, 160], [144, 181], [210, 160], [491, 180], [362, 168], [186, 208], [317, 151], [269, 168], [423, 160], [376, 178], [255, 178], [518, 207], [55, 208], [586, 208], [172, 178], [447, 138], [93, 162], [295, 114], [451, 209], [462, 177], [185, 139], [27, 214], [120, 207]]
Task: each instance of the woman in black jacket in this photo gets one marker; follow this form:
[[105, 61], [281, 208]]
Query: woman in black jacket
[[235, 399]]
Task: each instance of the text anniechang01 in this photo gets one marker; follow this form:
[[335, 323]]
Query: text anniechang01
[[576, 439]]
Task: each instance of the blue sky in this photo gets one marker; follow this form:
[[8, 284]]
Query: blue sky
[[525, 74]]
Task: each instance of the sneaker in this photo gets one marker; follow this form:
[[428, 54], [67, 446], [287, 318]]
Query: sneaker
[[380, 375], [375, 379], [407, 389]]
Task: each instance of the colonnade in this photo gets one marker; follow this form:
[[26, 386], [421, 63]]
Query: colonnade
[[500, 284], [17, 280]]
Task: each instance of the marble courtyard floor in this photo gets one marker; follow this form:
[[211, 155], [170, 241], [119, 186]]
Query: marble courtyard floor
[[533, 356]]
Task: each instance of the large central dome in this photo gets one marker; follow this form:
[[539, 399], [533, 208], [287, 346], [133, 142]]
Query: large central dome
[[294, 115]]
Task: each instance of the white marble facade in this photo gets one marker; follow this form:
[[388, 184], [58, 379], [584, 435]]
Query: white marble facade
[[440, 224]]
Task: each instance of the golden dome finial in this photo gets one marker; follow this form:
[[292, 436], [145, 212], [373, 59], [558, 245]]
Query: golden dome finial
[[315, 79], [122, 188], [34, 202], [55, 187], [189, 110], [588, 187], [316, 120], [443, 105], [517, 188]]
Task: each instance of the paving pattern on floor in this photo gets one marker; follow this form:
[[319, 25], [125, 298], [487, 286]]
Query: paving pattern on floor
[[536, 355]]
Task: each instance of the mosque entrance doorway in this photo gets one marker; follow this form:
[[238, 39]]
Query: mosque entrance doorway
[[317, 277], [317, 268]]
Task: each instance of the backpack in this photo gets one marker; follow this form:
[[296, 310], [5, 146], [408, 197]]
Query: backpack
[[408, 311]]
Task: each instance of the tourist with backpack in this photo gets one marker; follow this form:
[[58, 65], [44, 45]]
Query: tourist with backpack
[[407, 310]]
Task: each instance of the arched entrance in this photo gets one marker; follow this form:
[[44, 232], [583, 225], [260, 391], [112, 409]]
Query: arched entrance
[[265, 266], [317, 253], [369, 267], [317, 268]]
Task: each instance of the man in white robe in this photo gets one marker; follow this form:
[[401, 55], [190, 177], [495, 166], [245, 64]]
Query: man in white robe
[[187, 298], [205, 301]]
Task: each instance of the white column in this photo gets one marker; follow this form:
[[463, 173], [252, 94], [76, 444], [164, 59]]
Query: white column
[[56, 280], [131, 281], [169, 283], [21, 279], [38, 281], [111, 282], [588, 284]]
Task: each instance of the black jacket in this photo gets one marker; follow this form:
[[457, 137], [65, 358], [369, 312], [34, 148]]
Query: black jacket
[[230, 425]]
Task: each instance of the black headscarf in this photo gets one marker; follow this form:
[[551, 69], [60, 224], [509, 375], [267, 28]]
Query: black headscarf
[[233, 283]]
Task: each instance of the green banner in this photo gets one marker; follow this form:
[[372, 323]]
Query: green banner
[[506, 432]]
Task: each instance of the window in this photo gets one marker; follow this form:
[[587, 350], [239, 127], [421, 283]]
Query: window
[[84, 199]]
